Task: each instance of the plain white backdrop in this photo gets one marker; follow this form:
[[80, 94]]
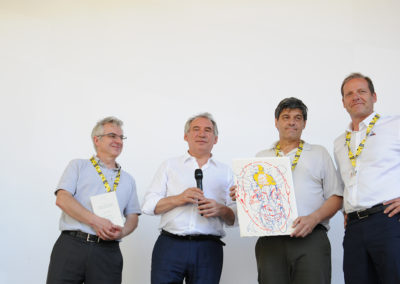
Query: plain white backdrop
[[66, 64]]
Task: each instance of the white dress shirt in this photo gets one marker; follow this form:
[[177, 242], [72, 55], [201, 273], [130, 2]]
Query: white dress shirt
[[377, 174], [176, 175], [314, 179]]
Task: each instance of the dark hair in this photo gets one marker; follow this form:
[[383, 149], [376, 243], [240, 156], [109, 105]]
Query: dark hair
[[291, 103], [355, 76]]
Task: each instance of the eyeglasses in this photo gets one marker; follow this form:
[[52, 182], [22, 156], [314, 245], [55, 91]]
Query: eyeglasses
[[113, 136]]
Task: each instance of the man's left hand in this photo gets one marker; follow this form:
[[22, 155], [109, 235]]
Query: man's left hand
[[209, 207], [393, 208], [115, 233], [304, 226]]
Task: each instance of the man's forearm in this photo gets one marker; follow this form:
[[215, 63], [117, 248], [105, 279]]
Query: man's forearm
[[166, 204], [130, 225], [227, 215], [329, 208], [73, 208]]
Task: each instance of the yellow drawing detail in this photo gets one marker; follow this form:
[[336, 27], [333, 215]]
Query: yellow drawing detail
[[262, 179]]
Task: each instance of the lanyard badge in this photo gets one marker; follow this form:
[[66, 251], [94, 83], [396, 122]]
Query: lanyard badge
[[103, 178], [296, 156], [360, 147]]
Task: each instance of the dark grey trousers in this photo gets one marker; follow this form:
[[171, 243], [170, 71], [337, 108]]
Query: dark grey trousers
[[287, 260], [76, 261]]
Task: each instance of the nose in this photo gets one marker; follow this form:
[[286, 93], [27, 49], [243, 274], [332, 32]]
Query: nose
[[118, 139], [356, 96], [202, 133]]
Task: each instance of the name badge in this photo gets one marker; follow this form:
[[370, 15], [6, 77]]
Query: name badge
[[106, 206]]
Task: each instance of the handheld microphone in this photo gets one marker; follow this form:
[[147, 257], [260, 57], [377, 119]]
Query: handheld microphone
[[198, 175]]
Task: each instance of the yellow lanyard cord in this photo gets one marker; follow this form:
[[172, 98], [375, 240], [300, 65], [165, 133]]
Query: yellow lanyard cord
[[361, 146], [296, 156], [103, 178]]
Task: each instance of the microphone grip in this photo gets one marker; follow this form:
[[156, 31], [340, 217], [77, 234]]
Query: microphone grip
[[199, 183]]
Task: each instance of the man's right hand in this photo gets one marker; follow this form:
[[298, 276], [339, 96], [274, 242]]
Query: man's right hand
[[232, 193], [190, 195], [104, 228]]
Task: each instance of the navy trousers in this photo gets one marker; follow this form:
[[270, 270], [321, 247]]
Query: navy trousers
[[196, 261], [372, 250]]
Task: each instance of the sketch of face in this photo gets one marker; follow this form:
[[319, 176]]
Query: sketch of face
[[290, 124]]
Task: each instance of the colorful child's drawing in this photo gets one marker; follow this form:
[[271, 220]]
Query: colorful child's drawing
[[265, 196]]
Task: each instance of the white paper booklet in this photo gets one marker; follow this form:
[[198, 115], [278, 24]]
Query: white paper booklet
[[106, 206]]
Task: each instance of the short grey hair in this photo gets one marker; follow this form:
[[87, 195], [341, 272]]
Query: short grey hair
[[358, 76], [203, 115], [98, 129]]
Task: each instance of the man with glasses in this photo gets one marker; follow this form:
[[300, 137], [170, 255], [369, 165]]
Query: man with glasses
[[87, 250], [368, 159]]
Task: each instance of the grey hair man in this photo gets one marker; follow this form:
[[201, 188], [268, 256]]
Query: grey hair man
[[189, 246], [87, 250]]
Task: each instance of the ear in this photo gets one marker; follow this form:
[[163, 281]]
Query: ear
[[276, 123], [215, 140], [374, 97], [305, 123], [185, 137], [343, 102], [96, 140]]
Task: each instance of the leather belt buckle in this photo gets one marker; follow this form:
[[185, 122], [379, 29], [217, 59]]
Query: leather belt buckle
[[89, 240], [360, 214]]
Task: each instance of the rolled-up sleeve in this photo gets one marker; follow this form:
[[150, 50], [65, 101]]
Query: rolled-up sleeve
[[156, 191], [331, 180]]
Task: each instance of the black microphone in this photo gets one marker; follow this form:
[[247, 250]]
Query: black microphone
[[198, 175]]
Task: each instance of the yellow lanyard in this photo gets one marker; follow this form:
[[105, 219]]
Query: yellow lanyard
[[103, 178], [361, 146], [296, 156]]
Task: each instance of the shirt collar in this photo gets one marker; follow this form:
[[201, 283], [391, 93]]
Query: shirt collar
[[101, 164], [306, 146], [363, 124], [187, 157]]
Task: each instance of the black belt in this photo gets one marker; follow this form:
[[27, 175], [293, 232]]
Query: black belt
[[358, 215], [321, 227], [86, 237], [193, 237]]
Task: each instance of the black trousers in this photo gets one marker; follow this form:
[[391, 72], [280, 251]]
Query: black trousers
[[76, 261]]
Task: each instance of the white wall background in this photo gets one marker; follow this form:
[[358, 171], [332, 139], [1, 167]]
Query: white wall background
[[66, 64]]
